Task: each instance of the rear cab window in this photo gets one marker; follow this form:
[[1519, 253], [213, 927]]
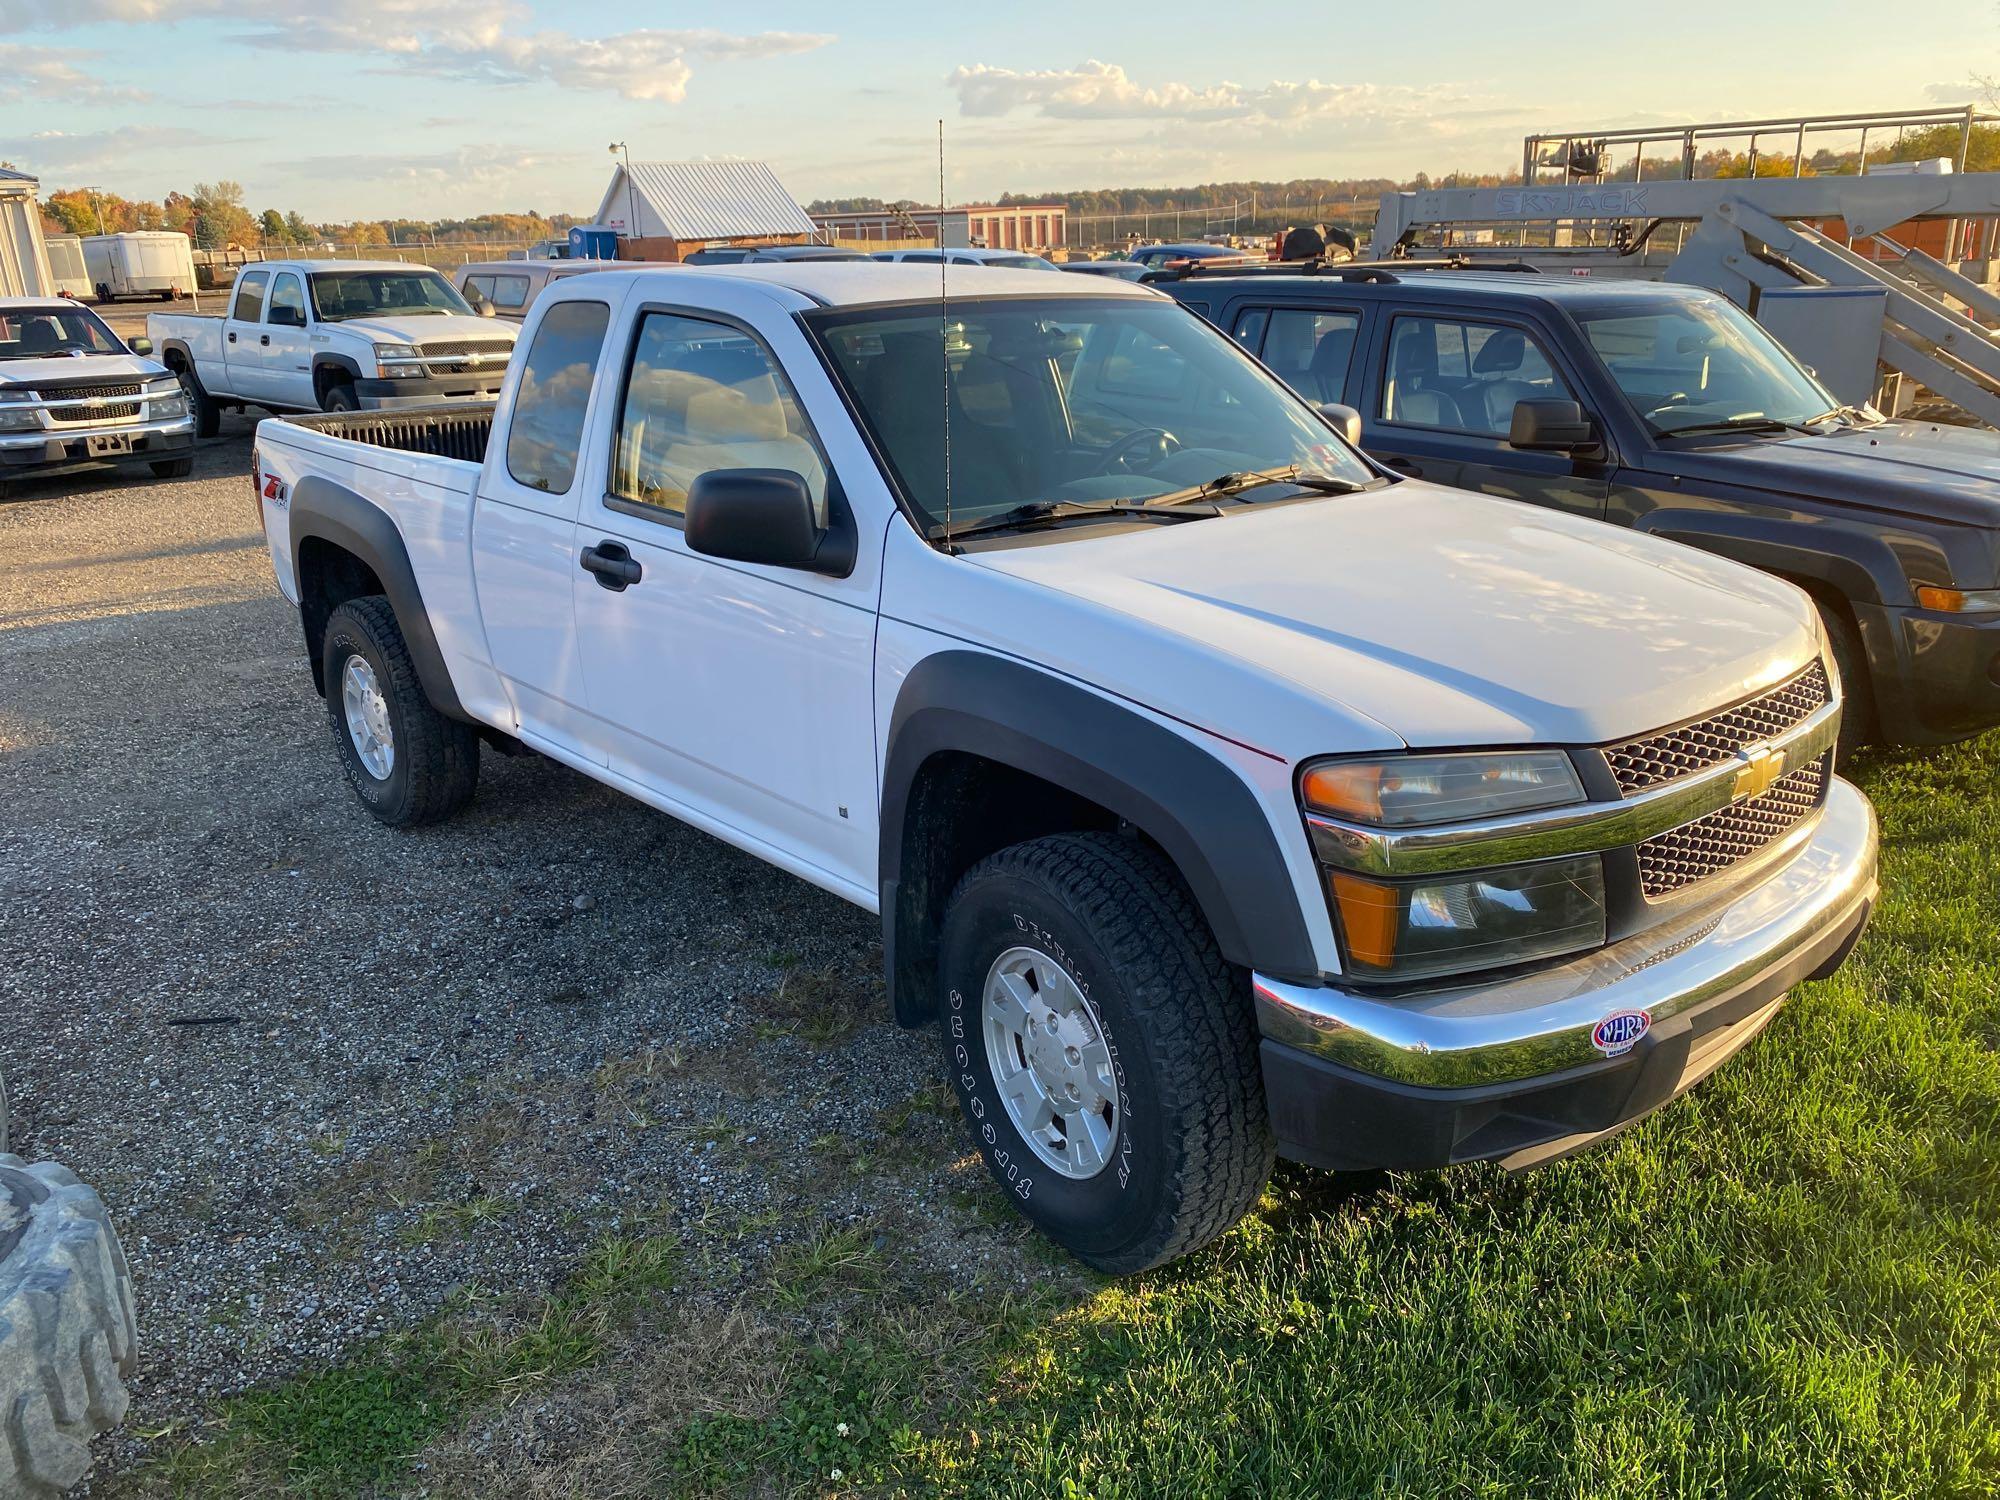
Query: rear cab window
[[546, 431], [249, 304]]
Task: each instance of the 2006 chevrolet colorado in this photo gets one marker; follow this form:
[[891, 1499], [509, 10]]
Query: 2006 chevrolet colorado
[[1221, 793]]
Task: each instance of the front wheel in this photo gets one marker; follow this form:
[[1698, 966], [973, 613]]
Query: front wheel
[[407, 762], [340, 397], [1850, 661], [1103, 1051]]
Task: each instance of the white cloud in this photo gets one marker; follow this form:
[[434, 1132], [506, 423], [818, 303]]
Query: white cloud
[[450, 39], [481, 167], [54, 74], [96, 148], [1104, 91]]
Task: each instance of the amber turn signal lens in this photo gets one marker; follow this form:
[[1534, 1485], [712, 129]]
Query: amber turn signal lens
[[1351, 789], [1949, 601], [1368, 919]]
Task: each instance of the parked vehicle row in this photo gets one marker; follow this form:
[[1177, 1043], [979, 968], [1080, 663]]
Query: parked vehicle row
[[334, 335], [1223, 792], [1667, 410]]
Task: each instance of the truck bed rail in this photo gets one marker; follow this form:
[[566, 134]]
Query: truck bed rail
[[459, 430]]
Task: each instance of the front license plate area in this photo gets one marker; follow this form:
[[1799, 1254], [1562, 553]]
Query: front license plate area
[[105, 444]]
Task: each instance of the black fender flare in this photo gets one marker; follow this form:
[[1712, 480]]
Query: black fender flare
[[345, 363], [325, 511], [177, 346], [1847, 564], [1186, 800]]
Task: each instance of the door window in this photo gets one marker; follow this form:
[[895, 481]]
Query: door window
[[547, 430], [1464, 377], [703, 396], [1249, 329], [1310, 351], [288, 303], [507, 292], [482, 285], [250, 297]]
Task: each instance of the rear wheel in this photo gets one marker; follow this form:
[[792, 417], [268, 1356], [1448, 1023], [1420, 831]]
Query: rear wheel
[[172, 468], [1104, 1053], [408, 763]]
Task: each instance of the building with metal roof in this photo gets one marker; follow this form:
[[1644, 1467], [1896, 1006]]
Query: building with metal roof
[[24, 260], [666, 208]]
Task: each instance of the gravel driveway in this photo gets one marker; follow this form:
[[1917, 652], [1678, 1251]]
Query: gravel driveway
[[325, 1073]]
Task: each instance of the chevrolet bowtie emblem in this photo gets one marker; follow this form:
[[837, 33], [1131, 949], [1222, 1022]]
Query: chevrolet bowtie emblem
[[1761, 767]]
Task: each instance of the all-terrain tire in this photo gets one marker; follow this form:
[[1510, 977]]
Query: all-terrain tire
[[68, 1338], [434, 769], [207, 415], [1850, 662], [1192, 1146], [340, 396], [172, 468]]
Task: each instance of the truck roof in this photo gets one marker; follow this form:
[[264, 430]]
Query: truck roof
[[338, 265], [863, 283], [40, 304]]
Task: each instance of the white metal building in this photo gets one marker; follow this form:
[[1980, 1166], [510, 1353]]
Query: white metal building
[[694, 203], [24, 262]]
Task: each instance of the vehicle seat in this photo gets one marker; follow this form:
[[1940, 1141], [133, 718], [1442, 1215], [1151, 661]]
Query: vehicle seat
[[900, 388], [40, 336], [736, 418], [1427, 409], [1503, 354], [1326, 374], [1411, 393]]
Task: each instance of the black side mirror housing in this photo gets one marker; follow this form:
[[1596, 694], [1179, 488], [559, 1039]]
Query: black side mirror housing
[[753, 516], [287, 317], [1551, 427], [141, 345], [1345, 419]]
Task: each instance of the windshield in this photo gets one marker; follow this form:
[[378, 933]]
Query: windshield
[[1067, 399], [1700, 362], [41, 332], [341, 295]]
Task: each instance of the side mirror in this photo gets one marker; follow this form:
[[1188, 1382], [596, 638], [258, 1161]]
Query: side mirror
[[481, 304], [140, 345], [754, 516], [1551, 427], [287, 317], [1345, 419]]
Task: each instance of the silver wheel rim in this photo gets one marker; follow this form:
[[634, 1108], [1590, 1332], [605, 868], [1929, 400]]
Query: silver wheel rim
[[367, 715], [1050, 1062]]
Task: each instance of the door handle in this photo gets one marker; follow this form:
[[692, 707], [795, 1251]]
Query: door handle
[[232, 338], [264, 338], [613, 565], [1407, 466]]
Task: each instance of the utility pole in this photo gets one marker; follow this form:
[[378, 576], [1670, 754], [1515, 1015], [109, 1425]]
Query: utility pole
[[631, 198]]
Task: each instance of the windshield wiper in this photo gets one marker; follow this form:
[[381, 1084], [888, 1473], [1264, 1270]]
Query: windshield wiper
[[1734, 424], [1238, 481], [1044, 512]]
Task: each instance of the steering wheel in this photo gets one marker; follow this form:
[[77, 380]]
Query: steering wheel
[[1139, 451]]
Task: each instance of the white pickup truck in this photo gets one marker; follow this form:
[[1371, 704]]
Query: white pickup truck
[[334, 335], [1221, 793], [74, 395]]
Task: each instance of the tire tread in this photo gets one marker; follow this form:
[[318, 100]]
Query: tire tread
[[443, 753]]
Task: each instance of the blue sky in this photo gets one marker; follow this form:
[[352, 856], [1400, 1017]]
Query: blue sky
[[371, 108]]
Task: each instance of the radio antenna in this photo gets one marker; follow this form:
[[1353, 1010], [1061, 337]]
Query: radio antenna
[[944, 339]]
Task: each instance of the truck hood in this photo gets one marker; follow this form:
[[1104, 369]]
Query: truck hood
[[1446, 618], [426, 329], [1919, 469], [68, 370]]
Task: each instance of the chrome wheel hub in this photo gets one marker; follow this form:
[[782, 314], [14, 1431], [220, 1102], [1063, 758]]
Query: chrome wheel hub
[[1050, 1062], [367, 714]]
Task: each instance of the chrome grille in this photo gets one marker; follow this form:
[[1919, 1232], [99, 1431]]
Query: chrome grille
[[440, 360], [1676, 859], [1672, 753], [86, 392], [86, 416]]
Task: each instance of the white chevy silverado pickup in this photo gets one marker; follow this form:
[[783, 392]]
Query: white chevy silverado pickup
[[1222, 794], [74, 395], [334, 335]]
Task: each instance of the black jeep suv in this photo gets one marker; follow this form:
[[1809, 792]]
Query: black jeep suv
[[1668, 409]]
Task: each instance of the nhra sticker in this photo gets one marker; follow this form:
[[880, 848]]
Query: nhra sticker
[[1619, 1032], [277, 492]]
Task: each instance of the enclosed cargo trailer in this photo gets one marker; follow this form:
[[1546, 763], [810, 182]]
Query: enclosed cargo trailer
[[140, 263]]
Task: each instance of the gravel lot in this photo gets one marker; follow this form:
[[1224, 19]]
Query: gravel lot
[[326, 1074]]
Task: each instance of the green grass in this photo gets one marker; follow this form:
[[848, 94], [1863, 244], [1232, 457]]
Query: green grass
[[1785, 1284]]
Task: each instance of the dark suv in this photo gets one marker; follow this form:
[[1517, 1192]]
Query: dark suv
[[1668, 409]]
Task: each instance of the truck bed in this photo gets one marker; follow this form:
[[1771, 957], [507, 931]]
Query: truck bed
[[458, 430]]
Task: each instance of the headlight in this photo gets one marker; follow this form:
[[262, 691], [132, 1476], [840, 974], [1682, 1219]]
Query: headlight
[[395, 351], [1404, 791], [1414, 929], [18, 419], [167, 408]]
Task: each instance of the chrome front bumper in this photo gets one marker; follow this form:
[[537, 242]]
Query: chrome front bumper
[[1776, 931]]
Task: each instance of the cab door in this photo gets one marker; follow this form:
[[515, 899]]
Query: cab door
[[284, 346], [1440, 404], [738, 696], [244, 336]]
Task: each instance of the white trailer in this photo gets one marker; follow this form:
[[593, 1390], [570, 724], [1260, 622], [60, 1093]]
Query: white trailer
[[70, 277], [140, 263]]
